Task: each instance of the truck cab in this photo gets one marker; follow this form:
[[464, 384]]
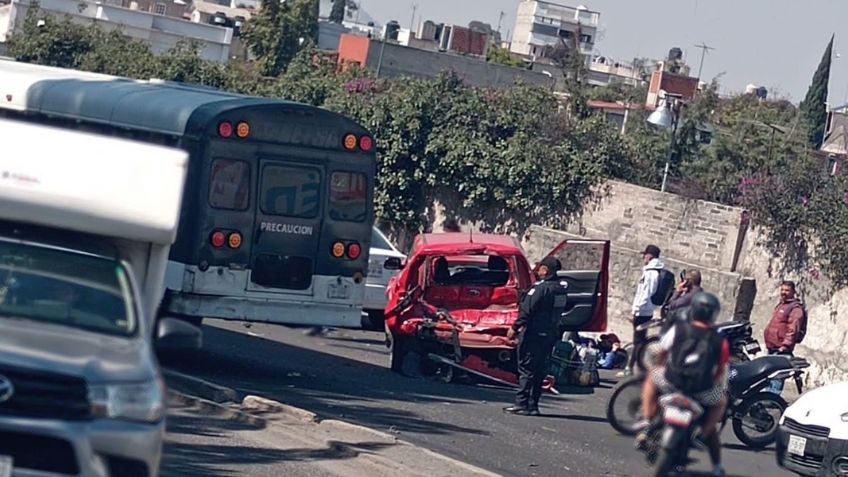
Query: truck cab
[[86, 223]]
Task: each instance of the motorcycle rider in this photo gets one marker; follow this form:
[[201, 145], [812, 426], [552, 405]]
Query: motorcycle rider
[[537, 322], [694, 360]]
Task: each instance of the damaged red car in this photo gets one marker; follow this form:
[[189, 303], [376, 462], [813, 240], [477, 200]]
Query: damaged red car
[[451, 306]]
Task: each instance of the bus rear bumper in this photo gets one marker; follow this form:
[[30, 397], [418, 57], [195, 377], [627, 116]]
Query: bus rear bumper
[[280, 311]]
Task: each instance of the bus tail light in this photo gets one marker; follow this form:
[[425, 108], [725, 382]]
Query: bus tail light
[[354, 250], [243, 130], [234, 240], [218, 239], [338, 249], [366, 143], [225, 129], [350, 142]]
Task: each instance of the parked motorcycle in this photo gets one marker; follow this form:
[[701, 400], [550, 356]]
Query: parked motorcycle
[[753, 411], [743, 346]]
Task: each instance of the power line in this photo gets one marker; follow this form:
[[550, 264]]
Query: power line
[[704, 49]]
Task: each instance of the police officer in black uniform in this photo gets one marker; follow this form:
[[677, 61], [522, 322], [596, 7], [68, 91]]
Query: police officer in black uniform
[[537, 323]]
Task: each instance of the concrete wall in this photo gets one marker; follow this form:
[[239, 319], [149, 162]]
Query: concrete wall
[[404, 61], [163, 33]]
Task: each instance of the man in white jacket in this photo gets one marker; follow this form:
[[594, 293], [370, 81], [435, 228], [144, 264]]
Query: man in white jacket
[[643, 308]]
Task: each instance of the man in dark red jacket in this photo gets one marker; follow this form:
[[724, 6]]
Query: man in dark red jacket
[[788, 323]]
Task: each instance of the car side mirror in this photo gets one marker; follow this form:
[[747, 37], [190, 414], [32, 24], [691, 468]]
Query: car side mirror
[[393, 263], [174, 334]]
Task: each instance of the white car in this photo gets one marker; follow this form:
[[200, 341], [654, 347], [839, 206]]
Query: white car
[[813, 435], [384, 262]]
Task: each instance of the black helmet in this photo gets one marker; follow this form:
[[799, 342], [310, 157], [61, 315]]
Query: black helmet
[[705, 308]]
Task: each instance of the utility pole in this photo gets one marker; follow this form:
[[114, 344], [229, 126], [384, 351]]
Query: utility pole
[[704, 49], [500, 20]]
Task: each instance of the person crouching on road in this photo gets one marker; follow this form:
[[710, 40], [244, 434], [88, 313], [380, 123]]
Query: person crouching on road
[[537, 323]]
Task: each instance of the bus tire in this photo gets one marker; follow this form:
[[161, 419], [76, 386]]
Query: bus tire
[[373, 320]]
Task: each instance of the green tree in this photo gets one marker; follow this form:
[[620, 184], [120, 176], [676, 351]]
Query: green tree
[[338, 12], [501, 56], [814, 107], [51, 41], [279, 31]]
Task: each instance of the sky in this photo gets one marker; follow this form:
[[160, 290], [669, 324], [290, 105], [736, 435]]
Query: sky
[[773, 43]]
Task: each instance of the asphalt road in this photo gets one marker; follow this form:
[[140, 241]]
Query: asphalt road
[[344, 376]]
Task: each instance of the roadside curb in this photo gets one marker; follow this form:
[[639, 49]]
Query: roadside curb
[[197, 387], [251, 408], [259, 404], [218, 409]]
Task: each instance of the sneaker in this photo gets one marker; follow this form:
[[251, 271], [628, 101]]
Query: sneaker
[[519, 411], [642, 441], [534, 412], [718, 471], [624, 373]]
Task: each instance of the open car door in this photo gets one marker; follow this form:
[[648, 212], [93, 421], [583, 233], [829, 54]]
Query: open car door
[[585, 266]]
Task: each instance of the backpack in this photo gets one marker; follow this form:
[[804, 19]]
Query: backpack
[[692, 362], [665, 287]]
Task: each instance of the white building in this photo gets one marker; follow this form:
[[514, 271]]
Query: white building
[[161, 32], [541, 25]]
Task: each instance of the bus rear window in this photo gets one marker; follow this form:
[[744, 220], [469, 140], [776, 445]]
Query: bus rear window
[[229, 185], [290, 191], [348, 196]]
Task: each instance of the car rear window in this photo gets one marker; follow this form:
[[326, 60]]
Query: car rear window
[[491, 270], [229, 184], [377, 241]]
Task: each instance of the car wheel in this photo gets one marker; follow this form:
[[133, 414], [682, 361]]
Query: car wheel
[[398, 351]]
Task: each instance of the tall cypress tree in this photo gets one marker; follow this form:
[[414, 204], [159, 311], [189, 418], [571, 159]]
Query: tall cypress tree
[[338, 12], [814, 107]]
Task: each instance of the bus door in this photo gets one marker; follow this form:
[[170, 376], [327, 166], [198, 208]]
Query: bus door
[[287, 227]]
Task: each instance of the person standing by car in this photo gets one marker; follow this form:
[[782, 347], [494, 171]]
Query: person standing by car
[[537, 324], [643, 301], [787, 327]]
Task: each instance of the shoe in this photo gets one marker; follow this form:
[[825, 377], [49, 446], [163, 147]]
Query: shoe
[[534, 412], [718, 471], [642, 441], [625, 373], [518, 411]]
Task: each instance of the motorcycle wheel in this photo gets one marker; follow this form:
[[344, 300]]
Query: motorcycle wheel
[[624, 407], [759, 407], [666, 463]]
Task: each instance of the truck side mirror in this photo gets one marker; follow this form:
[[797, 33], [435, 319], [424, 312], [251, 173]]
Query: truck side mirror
[[393, 263], [174, 334]]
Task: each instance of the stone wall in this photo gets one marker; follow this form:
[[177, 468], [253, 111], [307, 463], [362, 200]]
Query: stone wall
[[702, 235], [625, 270]]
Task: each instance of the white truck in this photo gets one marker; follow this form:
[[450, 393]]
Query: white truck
[[86, 223]]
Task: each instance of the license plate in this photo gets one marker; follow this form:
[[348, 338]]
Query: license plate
[[678, 417], [5, 466], [797, 445], [336, 291], [752, 347]]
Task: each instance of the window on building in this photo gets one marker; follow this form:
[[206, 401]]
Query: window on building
[[586, 38], [160, 8], [565, 34]]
